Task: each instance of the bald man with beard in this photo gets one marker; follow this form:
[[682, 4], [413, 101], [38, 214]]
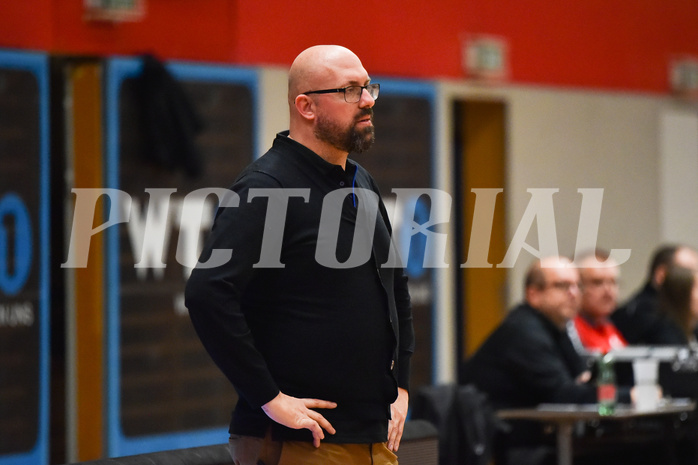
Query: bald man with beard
[[318, 353]]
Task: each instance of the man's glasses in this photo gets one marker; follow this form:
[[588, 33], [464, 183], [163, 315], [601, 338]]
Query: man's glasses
[[564, 286], [352, 94]]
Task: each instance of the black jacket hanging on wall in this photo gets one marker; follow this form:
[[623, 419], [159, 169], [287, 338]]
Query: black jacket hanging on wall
[[170, 122]]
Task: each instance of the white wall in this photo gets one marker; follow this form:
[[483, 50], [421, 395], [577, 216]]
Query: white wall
[[678, 174], [574, 139], [273, 111]]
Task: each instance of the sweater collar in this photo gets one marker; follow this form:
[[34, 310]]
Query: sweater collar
[[323, 166]]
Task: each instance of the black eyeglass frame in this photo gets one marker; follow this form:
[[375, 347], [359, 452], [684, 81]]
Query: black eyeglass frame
[[373, 85]]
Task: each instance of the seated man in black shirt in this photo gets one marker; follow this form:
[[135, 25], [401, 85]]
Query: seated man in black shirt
[[529, 359]]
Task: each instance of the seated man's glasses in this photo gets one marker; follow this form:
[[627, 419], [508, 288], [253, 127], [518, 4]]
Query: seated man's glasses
[[352, 94], [564, 286]]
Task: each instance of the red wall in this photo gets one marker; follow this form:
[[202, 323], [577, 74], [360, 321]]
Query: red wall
[[614, 44]]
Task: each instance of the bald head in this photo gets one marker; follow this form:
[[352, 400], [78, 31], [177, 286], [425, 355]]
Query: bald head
[[686, 257], [319, 67], [538, 271], [552, 289], [325, 122]]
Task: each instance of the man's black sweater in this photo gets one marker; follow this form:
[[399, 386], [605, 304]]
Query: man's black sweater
[[284, 320]]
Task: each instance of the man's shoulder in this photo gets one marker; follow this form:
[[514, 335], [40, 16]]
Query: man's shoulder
[[529, 327], [521, 325], [523, 314], [271, 169], [258, 174]]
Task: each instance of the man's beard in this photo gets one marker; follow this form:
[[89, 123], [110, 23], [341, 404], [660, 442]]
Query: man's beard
[[348, 139]]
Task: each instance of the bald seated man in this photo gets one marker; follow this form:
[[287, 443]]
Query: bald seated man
[[314, 334], [529, 360]]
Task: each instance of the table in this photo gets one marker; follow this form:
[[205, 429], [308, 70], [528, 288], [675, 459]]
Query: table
[[564, 416]]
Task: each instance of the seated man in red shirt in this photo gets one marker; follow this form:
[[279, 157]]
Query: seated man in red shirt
[[599, 284]]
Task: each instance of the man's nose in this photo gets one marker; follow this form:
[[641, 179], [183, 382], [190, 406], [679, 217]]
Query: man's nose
[[366, 100]]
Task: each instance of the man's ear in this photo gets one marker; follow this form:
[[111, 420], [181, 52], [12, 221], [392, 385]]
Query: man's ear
[[660, 274], [305, 107], [532, 296]]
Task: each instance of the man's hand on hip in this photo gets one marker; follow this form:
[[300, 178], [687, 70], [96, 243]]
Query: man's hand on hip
[[398, 413], [295, 413]]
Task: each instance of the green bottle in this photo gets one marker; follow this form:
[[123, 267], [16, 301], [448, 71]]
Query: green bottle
[[606, 385]]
